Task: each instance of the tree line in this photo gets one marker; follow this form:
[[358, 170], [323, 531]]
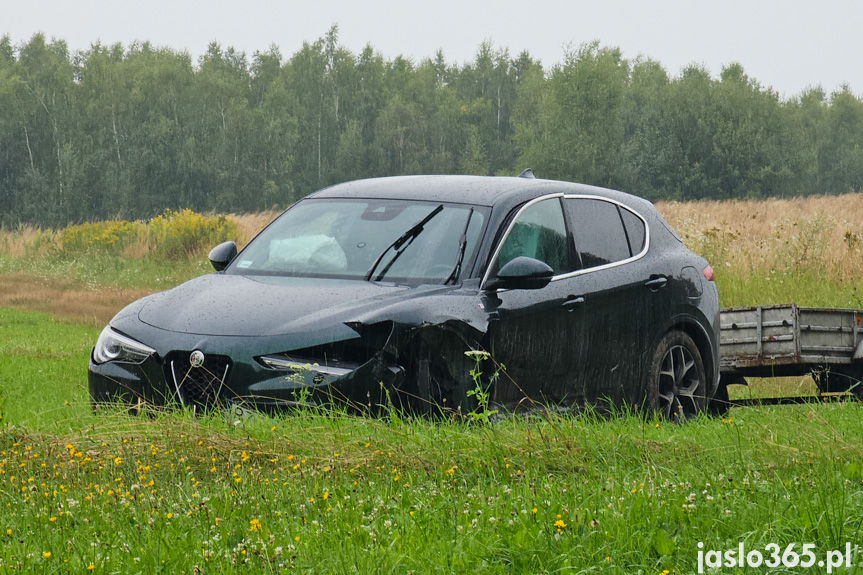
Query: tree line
[[129, 131]]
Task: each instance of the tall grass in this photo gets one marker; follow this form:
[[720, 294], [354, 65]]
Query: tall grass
[[159, 254], [26, 241], [171, 235], [804, 250]]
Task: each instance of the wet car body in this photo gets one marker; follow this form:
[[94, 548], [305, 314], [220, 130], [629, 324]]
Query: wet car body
[[594, 330]]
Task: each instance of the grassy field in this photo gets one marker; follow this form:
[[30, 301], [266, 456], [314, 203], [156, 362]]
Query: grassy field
[[803, 250], [326, 492]]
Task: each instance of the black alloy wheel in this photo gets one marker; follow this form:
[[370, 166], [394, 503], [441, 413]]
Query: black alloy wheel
[[678, 384]]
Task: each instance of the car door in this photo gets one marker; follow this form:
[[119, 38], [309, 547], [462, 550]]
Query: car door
[[535, 333], [612, 283], [655, 297]]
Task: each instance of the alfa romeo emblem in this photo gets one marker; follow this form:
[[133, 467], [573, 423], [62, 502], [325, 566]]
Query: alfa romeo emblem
[[197, 358]]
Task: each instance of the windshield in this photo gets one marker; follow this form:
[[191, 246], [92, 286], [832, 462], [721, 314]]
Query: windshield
[[349, 238]]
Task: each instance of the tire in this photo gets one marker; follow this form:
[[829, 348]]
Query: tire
[[677, 382]]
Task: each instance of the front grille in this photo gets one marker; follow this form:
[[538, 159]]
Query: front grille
[[198, 387]]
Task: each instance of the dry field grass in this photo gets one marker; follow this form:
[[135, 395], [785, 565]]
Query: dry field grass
[[817, 233], [741, 238], [27, 241], [251, 224], [66, 299], [748, 236], [749, 243], [822, 234]]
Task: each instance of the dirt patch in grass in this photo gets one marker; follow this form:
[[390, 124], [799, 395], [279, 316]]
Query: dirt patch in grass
[[65, 299]]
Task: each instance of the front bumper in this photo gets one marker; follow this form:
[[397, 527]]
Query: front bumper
[[231, 374], [155, 383]]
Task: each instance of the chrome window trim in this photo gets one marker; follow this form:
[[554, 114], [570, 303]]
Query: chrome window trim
[[636, 257]]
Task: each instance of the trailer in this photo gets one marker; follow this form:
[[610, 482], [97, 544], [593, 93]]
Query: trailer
[[787, 340]]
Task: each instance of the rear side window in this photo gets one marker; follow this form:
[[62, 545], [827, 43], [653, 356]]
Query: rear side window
[[635, 232], [597, 228]]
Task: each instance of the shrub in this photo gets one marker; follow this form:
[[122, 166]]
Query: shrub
[[110, 237], [184, 234], [169, 236]]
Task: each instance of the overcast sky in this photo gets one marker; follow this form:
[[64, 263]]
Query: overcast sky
[[787, 45]]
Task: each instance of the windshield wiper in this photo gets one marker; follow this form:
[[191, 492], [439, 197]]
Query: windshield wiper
[[405, 238], [462, 246]]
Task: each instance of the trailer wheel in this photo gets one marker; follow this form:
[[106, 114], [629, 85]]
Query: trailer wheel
[[678, 384]]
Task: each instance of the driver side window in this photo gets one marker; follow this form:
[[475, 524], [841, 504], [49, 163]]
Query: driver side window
[[538, 233]]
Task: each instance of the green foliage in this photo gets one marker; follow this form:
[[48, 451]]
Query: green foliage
[[807, 287], [110, 271], [482, 386], [581, 115], [132, 129]]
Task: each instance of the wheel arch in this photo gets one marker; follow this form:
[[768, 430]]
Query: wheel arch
[[709, 355], [443, 347]]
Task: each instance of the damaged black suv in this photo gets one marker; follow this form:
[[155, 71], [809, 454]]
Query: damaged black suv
[[378, 291]]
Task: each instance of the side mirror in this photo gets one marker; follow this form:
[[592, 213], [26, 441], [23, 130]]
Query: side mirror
[[221, 255], [521, 273]]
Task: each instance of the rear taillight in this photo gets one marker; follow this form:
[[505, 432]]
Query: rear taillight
[[708, 273]]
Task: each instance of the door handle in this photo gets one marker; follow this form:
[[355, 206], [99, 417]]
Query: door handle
[[657, 283], [572, 303]]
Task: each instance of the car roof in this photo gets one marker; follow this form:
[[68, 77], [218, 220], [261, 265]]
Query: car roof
[[476, 190]]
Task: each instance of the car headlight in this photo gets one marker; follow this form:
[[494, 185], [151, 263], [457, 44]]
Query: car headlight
[[112, 346]]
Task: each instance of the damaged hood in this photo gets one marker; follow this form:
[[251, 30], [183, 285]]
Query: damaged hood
[[233, 305]]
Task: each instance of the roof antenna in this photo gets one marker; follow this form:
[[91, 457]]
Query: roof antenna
[[528, 173]]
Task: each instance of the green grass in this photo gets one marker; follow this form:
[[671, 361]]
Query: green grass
[[338, 494], [114, 271], [806, 288], [43, 366], [325, 492], [764, 387]]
